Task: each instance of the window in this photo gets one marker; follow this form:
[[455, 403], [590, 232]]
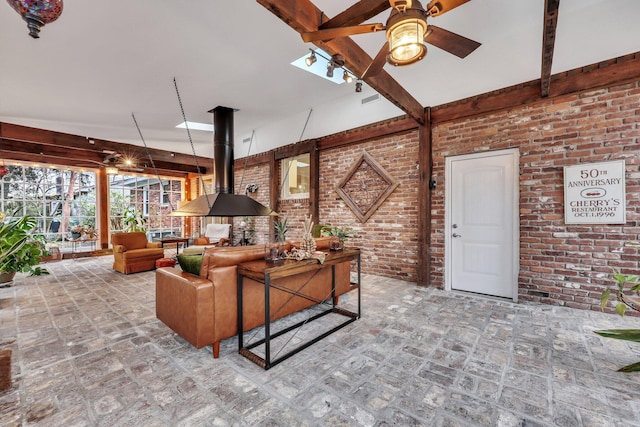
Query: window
[[58, 197], [155, 199], [296, 177]]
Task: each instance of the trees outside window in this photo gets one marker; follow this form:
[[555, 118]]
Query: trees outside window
[[59, 198]]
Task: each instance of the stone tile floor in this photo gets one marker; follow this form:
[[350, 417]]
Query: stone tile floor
[[88, 350]]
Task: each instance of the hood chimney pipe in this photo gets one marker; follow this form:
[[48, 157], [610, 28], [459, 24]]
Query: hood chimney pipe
[[223, 149]]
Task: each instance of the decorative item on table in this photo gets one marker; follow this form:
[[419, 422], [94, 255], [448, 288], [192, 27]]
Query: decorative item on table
[[273, 251], [280, 228], [76, 231], [308, 243], [338, 235], [299, 255], [90, 232]]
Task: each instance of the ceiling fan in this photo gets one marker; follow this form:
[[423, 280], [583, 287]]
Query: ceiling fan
[[406, 30], [118, 161]]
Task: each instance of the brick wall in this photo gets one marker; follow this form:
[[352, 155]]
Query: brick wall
[[253, 175], [559, 264], [389, 238]]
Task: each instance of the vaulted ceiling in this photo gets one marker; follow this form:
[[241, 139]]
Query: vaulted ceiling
[[104, 60]]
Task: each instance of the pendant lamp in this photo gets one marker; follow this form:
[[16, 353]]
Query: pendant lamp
[[37, 13]]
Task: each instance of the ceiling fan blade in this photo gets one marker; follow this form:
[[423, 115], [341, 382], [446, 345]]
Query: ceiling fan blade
[[333, 33], [356, 14], [438, 7], [451, 42], [378, 62]]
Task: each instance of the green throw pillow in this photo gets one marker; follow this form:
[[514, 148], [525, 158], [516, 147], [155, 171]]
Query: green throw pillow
[[190, 263]]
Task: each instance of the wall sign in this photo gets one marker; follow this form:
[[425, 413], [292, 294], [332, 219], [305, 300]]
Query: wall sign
[[594, 193]]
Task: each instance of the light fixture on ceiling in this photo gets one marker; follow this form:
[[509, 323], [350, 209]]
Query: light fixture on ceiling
[[37, 13], [330, 67], [359, 86], [111, 170], [311, 59], [406, 29], [347, 77]]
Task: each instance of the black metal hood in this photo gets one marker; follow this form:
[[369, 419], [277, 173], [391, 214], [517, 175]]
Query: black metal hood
[[223, 202]]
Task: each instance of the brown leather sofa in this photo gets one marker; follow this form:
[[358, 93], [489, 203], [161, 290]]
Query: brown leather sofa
[[203, 309], [132, 252]]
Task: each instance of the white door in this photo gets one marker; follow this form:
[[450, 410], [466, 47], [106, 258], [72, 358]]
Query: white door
[[482, 228]]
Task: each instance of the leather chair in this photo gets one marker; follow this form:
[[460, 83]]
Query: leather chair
[[132, 252]]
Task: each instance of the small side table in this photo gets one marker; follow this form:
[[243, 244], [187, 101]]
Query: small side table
[[176, 240]]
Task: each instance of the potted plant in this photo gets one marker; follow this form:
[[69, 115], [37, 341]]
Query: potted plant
[[134, 220], [339, 235], [624, 302], [76, 231], [280, 227], [19, 250]]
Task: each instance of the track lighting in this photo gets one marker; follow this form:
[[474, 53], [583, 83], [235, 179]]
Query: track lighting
[[359, 86], [311, 59], [330, 68], [347, 77]]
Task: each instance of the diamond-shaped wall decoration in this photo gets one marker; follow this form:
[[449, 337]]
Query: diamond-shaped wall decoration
[[366, 186]]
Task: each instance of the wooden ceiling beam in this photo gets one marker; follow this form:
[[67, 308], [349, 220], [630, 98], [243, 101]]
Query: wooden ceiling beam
[[90, 152], [304, 16], [615, 71], [356, 14], [548, 43]]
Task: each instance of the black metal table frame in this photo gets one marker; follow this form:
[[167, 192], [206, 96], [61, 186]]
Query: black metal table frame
[[266, 362], [177, 241]]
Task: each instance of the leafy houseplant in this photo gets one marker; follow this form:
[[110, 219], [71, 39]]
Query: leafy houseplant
[[340, 233], [134, 220], [19, 250], [280, 227], [623, 303]]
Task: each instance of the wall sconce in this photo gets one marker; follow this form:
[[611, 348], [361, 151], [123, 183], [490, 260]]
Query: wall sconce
[[111, 170], [250, 188]]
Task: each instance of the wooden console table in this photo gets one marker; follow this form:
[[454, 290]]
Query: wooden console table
[[265, 272]]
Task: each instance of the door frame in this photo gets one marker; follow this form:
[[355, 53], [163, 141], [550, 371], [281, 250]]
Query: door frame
[[515, 249]]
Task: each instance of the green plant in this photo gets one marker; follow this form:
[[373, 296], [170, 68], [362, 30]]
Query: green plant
[[19, 250], [624, 302], [134, 220], [342, 233], [280, 227]]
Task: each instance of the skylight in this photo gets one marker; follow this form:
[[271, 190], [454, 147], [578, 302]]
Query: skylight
[[319, 68], [196, 126]]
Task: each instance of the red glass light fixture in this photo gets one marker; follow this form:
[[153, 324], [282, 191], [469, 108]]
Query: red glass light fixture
[[37, 13]]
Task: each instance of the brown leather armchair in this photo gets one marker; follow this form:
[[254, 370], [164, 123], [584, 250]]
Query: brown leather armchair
[[132, 252]]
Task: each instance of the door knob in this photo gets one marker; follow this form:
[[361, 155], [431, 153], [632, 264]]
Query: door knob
[[456, 235]]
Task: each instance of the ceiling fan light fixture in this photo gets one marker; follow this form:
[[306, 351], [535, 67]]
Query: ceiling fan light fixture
[[405, 34]]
